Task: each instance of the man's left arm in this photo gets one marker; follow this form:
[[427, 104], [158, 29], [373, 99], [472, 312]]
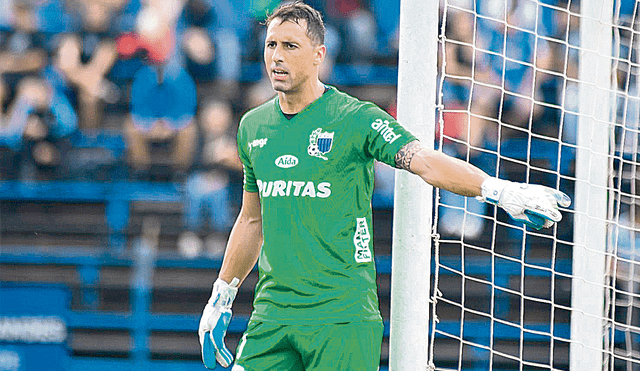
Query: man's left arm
[[534, 205]]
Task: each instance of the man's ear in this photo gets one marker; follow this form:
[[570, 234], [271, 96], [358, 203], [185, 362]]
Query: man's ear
[[320, 54]]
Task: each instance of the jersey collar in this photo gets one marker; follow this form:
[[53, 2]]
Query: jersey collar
[[329, 90]]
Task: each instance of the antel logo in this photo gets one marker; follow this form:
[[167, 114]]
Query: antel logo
[[286, 161]]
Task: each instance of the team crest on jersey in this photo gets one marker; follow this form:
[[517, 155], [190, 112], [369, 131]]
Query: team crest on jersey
[[320, 143]]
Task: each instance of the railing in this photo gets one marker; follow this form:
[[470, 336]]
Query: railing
[[117, 197], [140, 322]]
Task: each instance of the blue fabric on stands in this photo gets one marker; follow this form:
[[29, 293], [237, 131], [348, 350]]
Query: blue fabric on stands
[[173, 100]]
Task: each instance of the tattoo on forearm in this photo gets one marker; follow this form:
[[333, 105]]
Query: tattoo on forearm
[[405, 154]]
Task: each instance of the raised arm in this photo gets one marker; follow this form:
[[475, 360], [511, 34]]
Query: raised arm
[[534, 205]]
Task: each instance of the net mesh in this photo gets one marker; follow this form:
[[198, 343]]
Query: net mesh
[[508, 102]]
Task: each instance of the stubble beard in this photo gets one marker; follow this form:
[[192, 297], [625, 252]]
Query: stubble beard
[[281, 87], [287, 87]]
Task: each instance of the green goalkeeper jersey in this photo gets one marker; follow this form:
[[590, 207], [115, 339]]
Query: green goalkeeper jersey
[[314, 173]]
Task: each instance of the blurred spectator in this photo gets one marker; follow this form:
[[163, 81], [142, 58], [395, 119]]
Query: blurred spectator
[[258, 93], [163, 99], [569, 25], [463, 63], [196, 42], [627, 233], [520, 45], [6, 10], [469, 120], [628, 75], [47, 16], [357, 27], [6, 156], [460, 54], [548, 91], [22, 49], [257, 11], [623, 265], [510, 44], [387, 17], [332, 39], [92, 53], [3, 97], [51, 16], [39, 123], [213, 36], [208, 187], [464, 133]]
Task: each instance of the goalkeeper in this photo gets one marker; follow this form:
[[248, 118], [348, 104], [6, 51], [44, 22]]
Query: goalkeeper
[[308, 157]]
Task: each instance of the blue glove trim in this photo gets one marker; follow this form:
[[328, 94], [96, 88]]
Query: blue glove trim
[[209, 352], [218, 333], [214, 350], [535, 220]]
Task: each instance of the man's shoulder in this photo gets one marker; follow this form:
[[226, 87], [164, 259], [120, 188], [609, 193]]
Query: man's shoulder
[[258, 113], [347, 104], [346, 98]]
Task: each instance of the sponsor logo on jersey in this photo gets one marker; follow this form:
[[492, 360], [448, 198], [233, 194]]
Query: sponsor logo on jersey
[[258, 143], [287, 188], [361, 240], [385, 130], [320, 143], [286, 161]]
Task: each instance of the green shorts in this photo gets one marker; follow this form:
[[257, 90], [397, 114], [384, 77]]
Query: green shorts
[[353, 346]]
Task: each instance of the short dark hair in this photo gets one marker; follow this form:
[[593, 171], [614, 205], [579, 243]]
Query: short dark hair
[[296, 11]]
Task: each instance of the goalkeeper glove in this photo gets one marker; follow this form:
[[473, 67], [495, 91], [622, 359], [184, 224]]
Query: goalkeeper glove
[[214, 322], [534, 205]]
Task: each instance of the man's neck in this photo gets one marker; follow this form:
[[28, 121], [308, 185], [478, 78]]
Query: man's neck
[[294, 102]]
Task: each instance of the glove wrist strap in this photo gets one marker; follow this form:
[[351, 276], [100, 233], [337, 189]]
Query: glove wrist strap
[[223, 294], [492, 189]]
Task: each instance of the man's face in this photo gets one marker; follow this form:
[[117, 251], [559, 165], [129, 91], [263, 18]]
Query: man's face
[[289, 55]]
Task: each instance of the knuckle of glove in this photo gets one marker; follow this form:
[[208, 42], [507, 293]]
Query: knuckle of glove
[[545, 208], [535, 205], [514, 210]]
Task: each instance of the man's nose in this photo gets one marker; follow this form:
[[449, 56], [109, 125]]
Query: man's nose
[[277, 54]]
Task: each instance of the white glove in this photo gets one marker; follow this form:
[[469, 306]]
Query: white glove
[[534, 205], [214, 322]]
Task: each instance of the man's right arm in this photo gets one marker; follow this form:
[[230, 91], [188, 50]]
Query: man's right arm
[[242, 253], [534, 205], [245, 240]]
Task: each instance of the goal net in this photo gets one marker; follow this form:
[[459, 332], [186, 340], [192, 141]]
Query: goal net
[[539, 91]]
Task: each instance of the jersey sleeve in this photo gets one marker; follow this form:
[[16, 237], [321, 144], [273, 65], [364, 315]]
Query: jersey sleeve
[[383, 135], [249, 179]]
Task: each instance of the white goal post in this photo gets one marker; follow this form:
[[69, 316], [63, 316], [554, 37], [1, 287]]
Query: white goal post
[[411, 256], [590, 200], [543, 91]]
